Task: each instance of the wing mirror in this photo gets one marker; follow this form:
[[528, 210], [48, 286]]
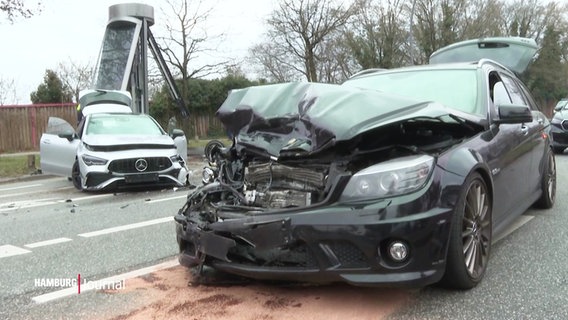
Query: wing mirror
[[513, 113], [177, 133], [70, 136]]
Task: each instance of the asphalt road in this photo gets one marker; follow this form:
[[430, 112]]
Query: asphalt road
[[49, 230], [101, 235]]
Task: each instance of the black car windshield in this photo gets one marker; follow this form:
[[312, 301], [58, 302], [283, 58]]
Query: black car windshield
[[131, 124], [455, 88]]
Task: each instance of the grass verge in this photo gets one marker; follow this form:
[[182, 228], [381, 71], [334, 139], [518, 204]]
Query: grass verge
[[16, 166]]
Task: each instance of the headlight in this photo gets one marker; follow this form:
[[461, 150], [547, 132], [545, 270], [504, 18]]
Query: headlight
[[556, 120], [390, 178], [177, 158], [93, 161]]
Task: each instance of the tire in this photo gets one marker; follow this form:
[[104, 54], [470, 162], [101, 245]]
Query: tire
[[76, 176], [470, 236], [210, 147], [548, 183], [558, 150]]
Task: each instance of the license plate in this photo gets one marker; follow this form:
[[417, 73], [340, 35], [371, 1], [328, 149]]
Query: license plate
[[146, 177]]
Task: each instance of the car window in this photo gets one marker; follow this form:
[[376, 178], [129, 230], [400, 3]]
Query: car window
[[57, 125], [500, 95], [561, 105], [531, 103], [122, 124], [456, 88], [514, 90]]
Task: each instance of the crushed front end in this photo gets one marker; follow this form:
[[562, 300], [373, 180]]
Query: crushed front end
[[290, 201]]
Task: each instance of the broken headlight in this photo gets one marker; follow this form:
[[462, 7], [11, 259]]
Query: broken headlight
[[390, 178]]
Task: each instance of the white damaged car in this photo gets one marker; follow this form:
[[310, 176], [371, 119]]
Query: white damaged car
[[113, 147]]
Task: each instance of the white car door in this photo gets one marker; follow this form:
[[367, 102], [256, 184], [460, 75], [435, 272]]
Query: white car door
[[58, 147]]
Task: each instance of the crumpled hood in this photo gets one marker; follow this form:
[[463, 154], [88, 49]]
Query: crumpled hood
[[309, 117], [121, 140]]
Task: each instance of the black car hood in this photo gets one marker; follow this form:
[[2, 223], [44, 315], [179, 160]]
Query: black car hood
[[304, 118]]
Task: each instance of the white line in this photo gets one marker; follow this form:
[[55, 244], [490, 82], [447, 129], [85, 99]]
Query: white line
[[167, 199], [22, 187], [87, 198], [125, 227], [7, 206], [10, 250], [125, 276], [47, 242], [516, 224]]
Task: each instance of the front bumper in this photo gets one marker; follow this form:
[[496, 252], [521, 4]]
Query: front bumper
[[337, 243], [103, 180]]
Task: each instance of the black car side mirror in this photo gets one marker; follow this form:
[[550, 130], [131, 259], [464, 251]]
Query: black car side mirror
[[513, 113]]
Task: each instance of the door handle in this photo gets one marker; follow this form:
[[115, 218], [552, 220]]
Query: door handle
[[524, 130]]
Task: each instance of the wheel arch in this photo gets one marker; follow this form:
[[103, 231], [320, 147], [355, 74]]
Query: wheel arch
[[461, 164]]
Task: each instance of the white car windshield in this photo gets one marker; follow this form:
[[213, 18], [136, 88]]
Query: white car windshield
[[129, 124]]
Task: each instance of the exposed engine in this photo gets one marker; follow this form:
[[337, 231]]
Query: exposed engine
[[244, 181], [274, 185]]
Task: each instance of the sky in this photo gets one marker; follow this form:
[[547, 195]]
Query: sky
[[72, 30]]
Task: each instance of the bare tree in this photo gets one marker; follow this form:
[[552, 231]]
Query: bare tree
[[439, 23], [187, 39], [14, 9], [275, 64], [296, 35], [379, 35], [530, 18], [7, 92], [75, 77]]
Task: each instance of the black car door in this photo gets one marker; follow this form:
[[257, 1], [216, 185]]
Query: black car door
[[513, 158]]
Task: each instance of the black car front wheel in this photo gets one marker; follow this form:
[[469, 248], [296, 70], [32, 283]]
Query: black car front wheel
[[470, 236], [548, 183], [76, 176]]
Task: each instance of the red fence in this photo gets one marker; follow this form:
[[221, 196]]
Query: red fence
[[21, 126]]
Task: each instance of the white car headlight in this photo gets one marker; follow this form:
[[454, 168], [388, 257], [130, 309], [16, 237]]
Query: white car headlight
[[390, 178], [93, 161]]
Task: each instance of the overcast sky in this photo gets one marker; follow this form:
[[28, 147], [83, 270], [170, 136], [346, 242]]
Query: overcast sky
[[73, 30]]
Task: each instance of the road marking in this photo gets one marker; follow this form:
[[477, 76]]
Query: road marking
[[167, 199], [87, 198], [46, 242], [22, 187], [125, 227], [125, 276], [10, 250], [14, 205], [516, 224]]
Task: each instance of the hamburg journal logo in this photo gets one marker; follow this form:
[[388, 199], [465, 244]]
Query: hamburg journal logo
[[80, 283]]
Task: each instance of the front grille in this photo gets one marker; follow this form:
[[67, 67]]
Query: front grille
[[129, 165], [348, 255], [298, 257], [561, 138]]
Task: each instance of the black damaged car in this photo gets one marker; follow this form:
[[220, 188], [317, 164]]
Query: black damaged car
[[395, 178]]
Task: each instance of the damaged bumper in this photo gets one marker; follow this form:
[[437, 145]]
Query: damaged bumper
[[338, 243]]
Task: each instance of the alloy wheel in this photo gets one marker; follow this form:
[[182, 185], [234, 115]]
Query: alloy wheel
[[476, 230], [551, 177]]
